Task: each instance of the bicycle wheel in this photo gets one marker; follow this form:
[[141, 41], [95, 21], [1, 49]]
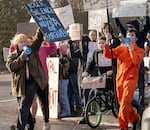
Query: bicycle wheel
[[93, 113], [115, 107]]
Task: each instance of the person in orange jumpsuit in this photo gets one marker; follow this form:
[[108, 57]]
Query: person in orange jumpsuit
[[129, 58]]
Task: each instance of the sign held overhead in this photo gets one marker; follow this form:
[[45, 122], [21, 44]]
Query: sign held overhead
[[47, 20]]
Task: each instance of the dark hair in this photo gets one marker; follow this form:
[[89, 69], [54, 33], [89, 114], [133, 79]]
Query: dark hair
[[102, 38], [110, 27], [133, 30], [134, 23]]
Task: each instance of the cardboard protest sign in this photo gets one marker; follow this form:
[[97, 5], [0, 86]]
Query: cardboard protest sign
[[62, 13], [100, 4], [75, 31], [47, 20], [27, 28], [53, 80], [130, 8], [92, 46], [96, 18]]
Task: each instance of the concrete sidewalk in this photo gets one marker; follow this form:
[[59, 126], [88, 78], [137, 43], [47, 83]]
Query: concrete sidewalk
[[4, 77]]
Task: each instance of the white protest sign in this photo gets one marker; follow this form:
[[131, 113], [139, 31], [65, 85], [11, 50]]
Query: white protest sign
[[104, 61], [130, 8], [147, 62], [65, 15], [92, 46], [100, 4], [75, 31], [53, 73], [96, 18], [5, 53]]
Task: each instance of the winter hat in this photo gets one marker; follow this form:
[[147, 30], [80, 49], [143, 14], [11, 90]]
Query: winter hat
[[63, 49], [135, 24]]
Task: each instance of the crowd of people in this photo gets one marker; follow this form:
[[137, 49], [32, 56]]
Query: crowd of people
[[123, 64]]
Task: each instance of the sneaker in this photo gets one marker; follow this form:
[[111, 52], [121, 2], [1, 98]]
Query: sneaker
[[46, 126], [13, 127]]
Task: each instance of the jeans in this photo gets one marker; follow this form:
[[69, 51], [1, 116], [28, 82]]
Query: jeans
[[63, 97], [74, 96], [24, 106], [25, 102]]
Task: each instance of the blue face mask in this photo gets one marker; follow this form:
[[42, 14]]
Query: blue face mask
[[149, 39]]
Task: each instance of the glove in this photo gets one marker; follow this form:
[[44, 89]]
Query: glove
[[23, 56]]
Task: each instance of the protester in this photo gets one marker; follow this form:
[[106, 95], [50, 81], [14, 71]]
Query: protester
[[85, 49], [73, 87], [101, 63], [129, 58], [107, 30], [64, 66], [46, 49], [140, 43], [91, 37], [28, 78]]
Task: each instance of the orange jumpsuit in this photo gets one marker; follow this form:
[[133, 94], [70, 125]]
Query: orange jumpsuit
[[128, 64]]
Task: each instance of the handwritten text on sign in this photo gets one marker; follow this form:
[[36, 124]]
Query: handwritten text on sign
[[45, 17]]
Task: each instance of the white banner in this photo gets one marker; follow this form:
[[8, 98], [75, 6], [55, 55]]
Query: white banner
[[65, 15], [100, 4], [92, 46], [5, 53], [75, 31], [53, 73], [96, 18], [130, 9]]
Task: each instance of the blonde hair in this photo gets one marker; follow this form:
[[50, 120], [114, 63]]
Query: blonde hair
[[19, 38]]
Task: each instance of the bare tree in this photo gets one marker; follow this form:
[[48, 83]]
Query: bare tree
[[11, 13]]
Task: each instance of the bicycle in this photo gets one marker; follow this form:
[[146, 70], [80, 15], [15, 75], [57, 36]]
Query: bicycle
[[102, 101]]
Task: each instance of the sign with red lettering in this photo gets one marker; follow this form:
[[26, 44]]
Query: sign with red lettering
[[53, 74]]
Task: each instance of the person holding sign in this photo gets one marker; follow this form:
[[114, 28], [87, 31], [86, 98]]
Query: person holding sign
[[89, 45], [64, 66], [107, 30], [28, 78], [129, 58]]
